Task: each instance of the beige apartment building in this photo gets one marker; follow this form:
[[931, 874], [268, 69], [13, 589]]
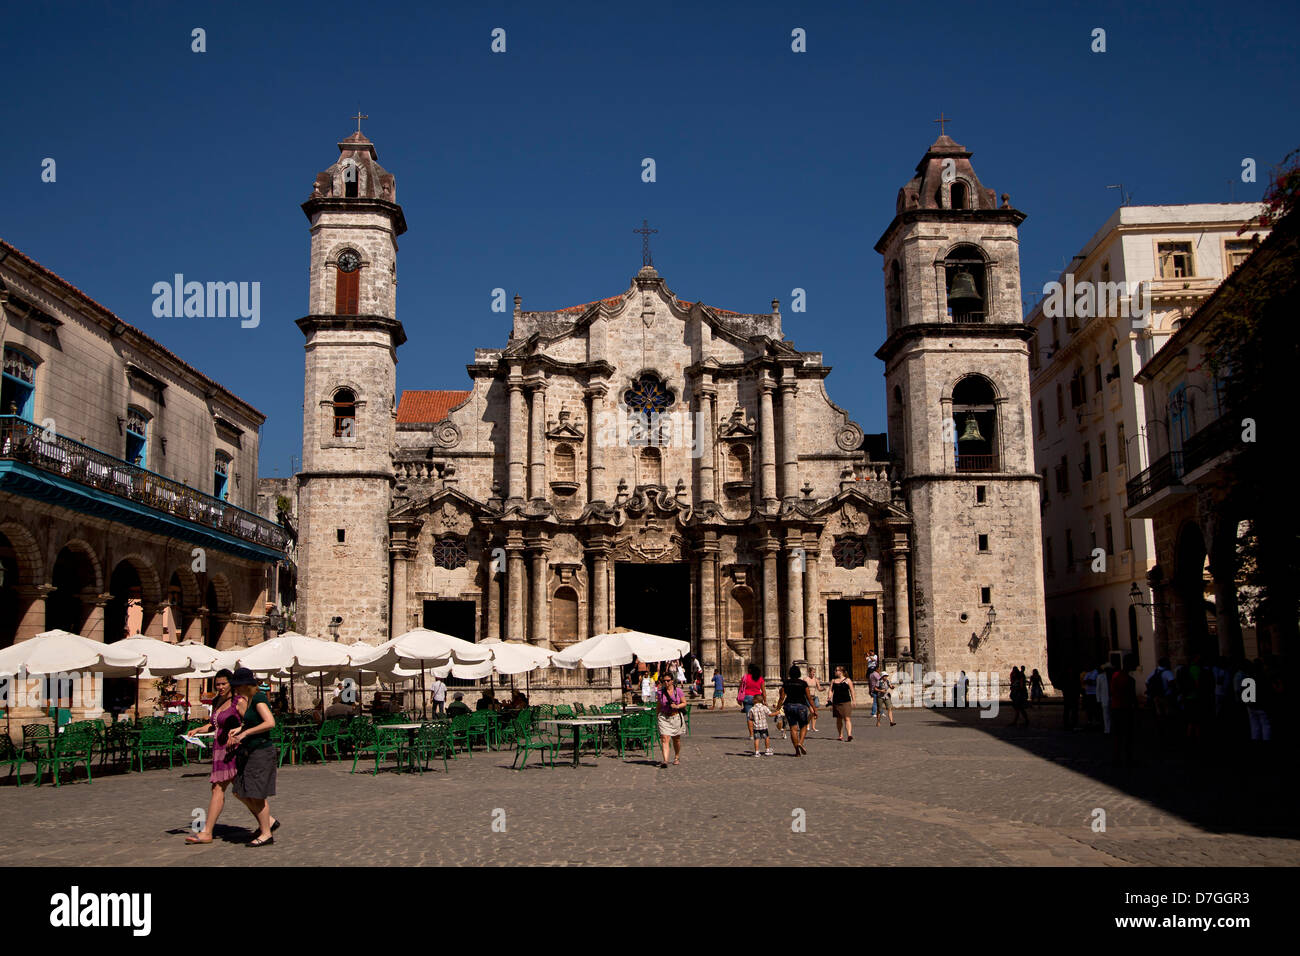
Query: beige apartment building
[[1126, 292], [128, 479]]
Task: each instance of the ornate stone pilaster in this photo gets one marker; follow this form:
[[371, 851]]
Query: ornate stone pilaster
[[708, 490], [789, 436], [492, 595], [902, 606], [814, 648], [595, 395], [540, 618], [771, 611], [537, 440], [517, 433], [796, 561], [710, 639], [767, 442], [515, 586], [599, 552]]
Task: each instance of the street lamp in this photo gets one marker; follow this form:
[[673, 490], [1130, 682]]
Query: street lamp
[[273, 625]]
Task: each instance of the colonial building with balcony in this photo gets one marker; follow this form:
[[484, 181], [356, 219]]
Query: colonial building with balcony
[[127, 479], [1202, 597], [1126, 293]]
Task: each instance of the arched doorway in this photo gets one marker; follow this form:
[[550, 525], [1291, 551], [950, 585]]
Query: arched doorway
[[11, 605], [75, 582], [122, 612]]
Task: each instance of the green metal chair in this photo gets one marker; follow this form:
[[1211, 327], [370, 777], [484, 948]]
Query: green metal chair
[[479, 725], [36, 739], [283, 740], [432, 740], [320, 740], [355, 726], [158, 739], [687, 712], [636, 730], [71, 747], [527, 741], [459, 732], [381, 741], [14, 758]]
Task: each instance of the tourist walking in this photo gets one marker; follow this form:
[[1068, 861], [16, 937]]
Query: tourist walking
[[1122, 710], [672, 724], [719, 690], [795, 703], [647, 689], [255, 758], [814, 693], [439, 695], [842, 703], [225, 717], [1020, 697], [1103, 696], [759, 713], [880, 693], [1036, 687]]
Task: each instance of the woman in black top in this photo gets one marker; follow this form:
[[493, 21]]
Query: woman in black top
[[842, 703], [798, 708]]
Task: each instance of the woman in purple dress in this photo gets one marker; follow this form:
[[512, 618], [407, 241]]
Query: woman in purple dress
[[225, 716]]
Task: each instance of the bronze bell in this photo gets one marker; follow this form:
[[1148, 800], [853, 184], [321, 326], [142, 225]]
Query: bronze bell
[[963, 296], [972, 430]]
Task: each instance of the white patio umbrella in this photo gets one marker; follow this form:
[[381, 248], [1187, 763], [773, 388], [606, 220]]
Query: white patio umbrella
[[51, 652], [618, 648], [422, 649], [290, 652], [507, 658], [144, 658]]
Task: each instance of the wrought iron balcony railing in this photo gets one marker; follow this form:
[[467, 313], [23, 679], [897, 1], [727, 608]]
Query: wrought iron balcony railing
[[968, 318], [1211, 441], [1163, 473], [21, 440]]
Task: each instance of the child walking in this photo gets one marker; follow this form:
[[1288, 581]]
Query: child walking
[[759, 713]]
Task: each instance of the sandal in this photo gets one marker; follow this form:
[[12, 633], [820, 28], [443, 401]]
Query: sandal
[[850, 736], [275, 826], [267, 842], [194, 839]]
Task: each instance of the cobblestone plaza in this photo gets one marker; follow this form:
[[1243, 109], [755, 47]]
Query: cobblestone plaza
[[943, 788]]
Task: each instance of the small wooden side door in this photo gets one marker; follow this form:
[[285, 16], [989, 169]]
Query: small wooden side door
[[862, 636]]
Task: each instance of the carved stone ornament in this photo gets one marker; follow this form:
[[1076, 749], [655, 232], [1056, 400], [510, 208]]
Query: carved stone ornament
[[446, 435], [451, 520], [849, 437]]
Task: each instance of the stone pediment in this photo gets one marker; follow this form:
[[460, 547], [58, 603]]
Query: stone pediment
[[737, 427], [871, 503], [449, 511]]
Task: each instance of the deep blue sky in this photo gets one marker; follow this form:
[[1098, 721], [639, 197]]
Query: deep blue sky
[[776, 170]]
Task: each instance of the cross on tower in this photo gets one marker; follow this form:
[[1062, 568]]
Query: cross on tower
[[645, 232], [941, 121], [359, 117]]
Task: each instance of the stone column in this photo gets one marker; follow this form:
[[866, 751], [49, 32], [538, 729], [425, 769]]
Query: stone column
[[771, 612], [31, 620], [540, 619], [537, 442], [710, 640], [195, 624], [796, 562], [812, 629], [789, 437], [515, 586], [401, 569], [93, 629], [708, 490], [767, 442], [595, 448], [492, 587], [516, 437], [902, 607], [599, 589]]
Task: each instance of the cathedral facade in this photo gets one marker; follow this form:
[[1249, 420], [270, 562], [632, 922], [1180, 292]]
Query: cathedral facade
[[655, 463]]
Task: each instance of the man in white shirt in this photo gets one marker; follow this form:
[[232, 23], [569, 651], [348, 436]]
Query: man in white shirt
[[439, 696]]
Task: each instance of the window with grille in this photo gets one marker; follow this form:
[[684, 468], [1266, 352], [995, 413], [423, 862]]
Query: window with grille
[[137, 437], [19, 386], [450, 553], [221, 476], [849, 552]]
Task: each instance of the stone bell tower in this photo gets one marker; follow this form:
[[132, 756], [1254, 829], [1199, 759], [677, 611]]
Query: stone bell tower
[[957, 386], [352, 332]]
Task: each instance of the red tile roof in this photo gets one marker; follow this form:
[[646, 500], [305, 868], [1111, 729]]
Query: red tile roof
[[427, 405]]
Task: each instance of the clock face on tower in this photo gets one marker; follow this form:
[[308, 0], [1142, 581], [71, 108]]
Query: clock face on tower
[[349, 261]]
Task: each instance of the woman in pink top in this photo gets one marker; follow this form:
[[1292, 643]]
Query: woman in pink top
[[225, 715], [751, 689], [671, 722]]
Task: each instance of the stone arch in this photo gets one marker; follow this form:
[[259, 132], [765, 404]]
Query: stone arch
[[959, 194], [951, 385], [150, 583], [27, 553], [219, 585], [81, 546], [191, 595]]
